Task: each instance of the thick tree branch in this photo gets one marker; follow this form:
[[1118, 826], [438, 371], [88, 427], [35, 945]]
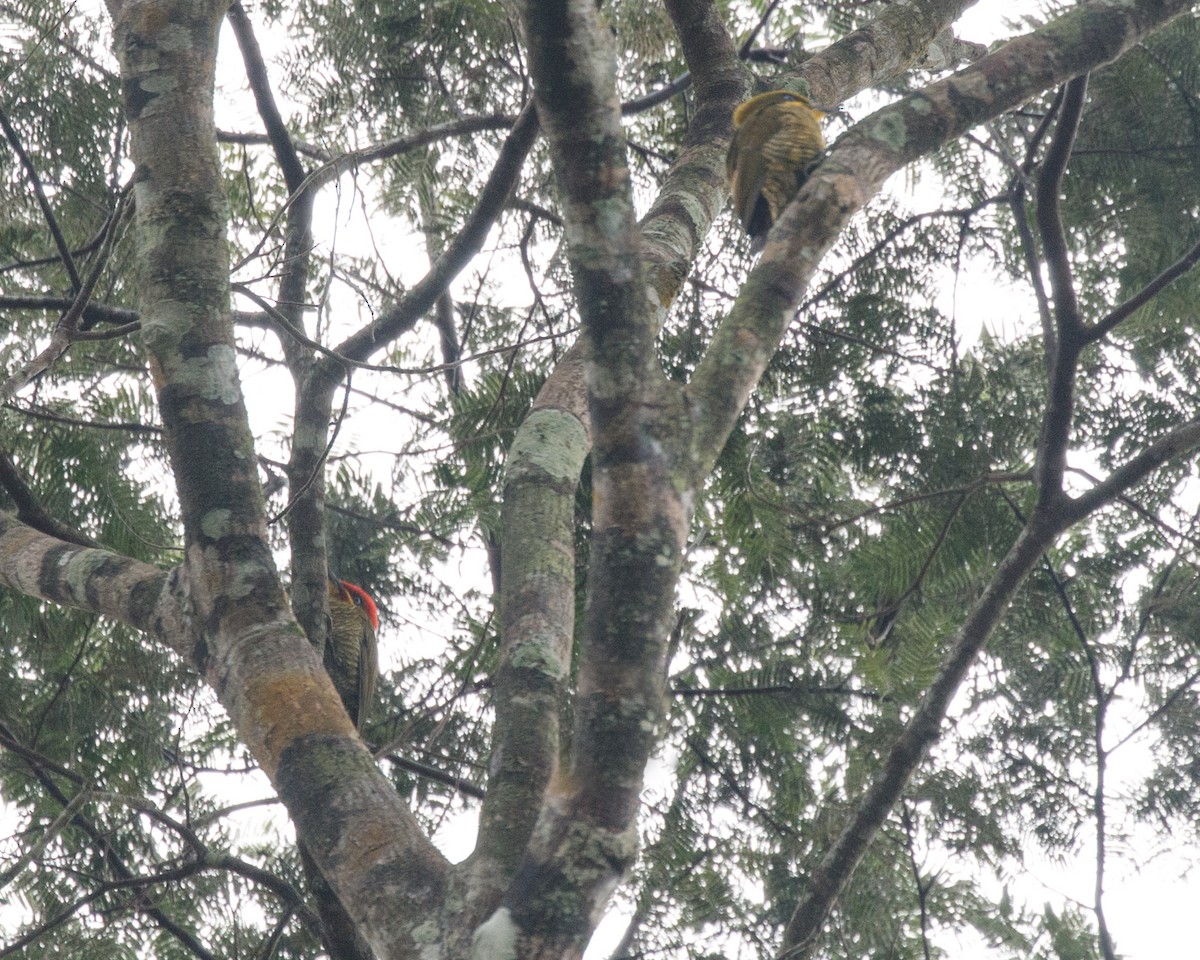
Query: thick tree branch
[[537, 618], [1049, 213], [93, 313], [98, 581], [585, 833], [305, 511], [891, 44], [30, 509], [548, 452], [694, 191], [264, 98], [1029, 250], [865, 156], [257, 660]]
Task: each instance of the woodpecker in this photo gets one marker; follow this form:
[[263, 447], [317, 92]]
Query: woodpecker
[[352, 662], [351, 656], [776, 142]]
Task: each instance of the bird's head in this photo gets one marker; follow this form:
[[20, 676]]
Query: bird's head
[[352, 593], [744, 111]]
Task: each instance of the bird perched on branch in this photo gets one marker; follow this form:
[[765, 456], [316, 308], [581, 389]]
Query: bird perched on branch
[[776, 142], [352, 662], [351, 656]]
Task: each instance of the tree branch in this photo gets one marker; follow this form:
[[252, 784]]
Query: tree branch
[[64, 251], [30, 509], [1049, 212], [363, 838], [264, 98], [859, 163], [830, 876], [467, 242], [1063, 350], [93, 313], [1108, 323], [98, 581], [1181, 440], [66, 331]]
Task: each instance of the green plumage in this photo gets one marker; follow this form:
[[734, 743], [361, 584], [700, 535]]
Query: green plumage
[[351, 655], [776, 142]]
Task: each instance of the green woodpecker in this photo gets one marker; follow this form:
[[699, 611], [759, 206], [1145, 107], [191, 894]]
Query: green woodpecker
[[351, 657], [776, 142], [352, 662]]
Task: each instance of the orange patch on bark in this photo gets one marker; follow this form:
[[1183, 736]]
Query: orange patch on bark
[[297, 705]]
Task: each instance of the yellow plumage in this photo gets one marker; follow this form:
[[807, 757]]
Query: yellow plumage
[[776, 142], [351, 655]]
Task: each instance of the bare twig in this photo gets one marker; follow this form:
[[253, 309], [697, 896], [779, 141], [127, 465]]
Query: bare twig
[[1176, 270], [50, 31], [66, 331], [64, 252], [121, 873]]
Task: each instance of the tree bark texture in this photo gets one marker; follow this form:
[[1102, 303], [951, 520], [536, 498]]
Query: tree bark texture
[[558, 830]]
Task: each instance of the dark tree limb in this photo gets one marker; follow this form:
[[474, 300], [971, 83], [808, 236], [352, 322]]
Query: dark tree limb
[[1021, 219], [312, 438], [1110, 321], [467, 242], [830, 876], [30, 509], [1049, 210], [93, 313], [1063, 350], [264, 98]]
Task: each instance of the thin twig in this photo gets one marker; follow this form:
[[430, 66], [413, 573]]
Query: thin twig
[[64, 252], [66, 331], [1176, 270]]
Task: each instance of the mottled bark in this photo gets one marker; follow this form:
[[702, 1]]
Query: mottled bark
[[101, 582], [537, 608], [263, 669], [858, 164], [557, 834]]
